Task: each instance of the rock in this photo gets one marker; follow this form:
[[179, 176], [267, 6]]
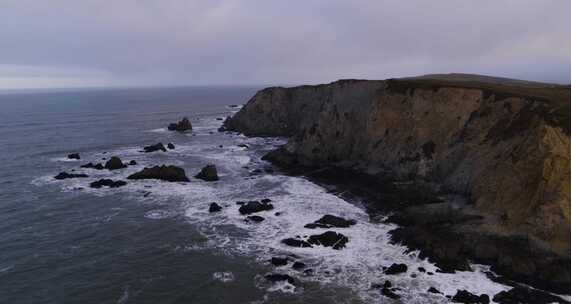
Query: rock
[[133, 163], [255, 218], [421, 269], [73, 156], [154, 148], [463, 296], [108, 183], [523, 294], [166, 173], [329, 221], [65, 175], [277, 213], [389, 293], [170, 146], [434, 290], [276, 277], [208, 173], [243, 146], [298, 266], [396, 269], [266, 200], [214, 207], [279, 261], [295, 242], [254, 207], [219, 118], [181, 126], [114, 163], [329, 239]]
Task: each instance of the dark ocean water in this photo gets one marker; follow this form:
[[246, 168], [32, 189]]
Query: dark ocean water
[[155, 242]]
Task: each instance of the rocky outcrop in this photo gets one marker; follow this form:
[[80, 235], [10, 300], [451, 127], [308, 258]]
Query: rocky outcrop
[[502, 145], [208, 173], [165, 173], [181, 126], [65, 175], [154, 148], [115, 163]]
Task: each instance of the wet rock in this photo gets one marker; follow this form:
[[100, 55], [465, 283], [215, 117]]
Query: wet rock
[[208, 173], [464, 296], [387, 292], [243, 146], [166, 173], [181, 126], [93, 166], [277, 213], [133, 163], [114, 163], [421, 269], [329, 239], [266, 200], [298, 265], [387, 284], [73, 156], [276, 277], [255, 206], [108, 183], [65, 175], [396, 269], [519, 295], [154, 148], [219, 118], [240, 203], [255, 218], [279, 261], [146, 194], [329, 221], [214, 207], [296, 242], [170, 146], [434, 290]]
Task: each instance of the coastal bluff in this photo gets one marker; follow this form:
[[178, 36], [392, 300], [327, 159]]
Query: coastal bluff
[[502, 145]]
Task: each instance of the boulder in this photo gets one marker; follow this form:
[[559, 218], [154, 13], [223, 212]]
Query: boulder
[[276, 277], [329, 239], [154, 148], [464, 296], [279, 261], [208, 173], [108, 183], [93, 166], [396, 269], [523, 294], [166, 173], [254, 207], [214, 207], [329, 221], [255, 218], [170, 146], [181, 126], [73, 156], [65, 175], [114, 163], [133, 163]]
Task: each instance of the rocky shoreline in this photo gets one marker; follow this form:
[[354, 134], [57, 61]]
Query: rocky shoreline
[[409, 146]]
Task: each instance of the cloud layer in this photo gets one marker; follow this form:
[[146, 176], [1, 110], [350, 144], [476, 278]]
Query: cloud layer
[[186, 42]]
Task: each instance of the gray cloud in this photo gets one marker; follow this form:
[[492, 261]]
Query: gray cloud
[[176, 42]]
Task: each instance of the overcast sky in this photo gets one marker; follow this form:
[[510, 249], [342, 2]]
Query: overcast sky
[[70, 43]]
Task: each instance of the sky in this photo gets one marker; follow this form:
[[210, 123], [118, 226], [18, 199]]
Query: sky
[[84, 43]]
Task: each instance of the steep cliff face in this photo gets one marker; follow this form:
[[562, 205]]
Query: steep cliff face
[[503, 146]]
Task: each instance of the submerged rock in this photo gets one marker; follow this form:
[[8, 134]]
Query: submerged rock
[[434, 290], [170, 146], [65, 175], [463, 296], [330, 221], [208, 173], [396, 269], [254, 207], [93, 166], [279, 261], [255, 218], [181, 126], [73, 156], [108, 183], [276, 277], [114, 163], [214, 207], [298, 266], [133, 163], [296, 242], [166, 173], [387, 292], [154, 148]]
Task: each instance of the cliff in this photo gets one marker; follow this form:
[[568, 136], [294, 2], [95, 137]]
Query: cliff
[[503, 144]]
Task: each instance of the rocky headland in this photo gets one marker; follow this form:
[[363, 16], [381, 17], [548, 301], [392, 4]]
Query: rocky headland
[[472, 168]]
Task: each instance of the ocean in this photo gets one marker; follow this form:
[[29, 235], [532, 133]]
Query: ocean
[[155, 242]]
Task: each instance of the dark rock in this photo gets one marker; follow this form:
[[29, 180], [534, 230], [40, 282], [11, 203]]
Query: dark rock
[[65, 175], [240, 203], [214, 207], [219, 118], [255, 206], [329, 239], [389, 293], [295, 242], [146, 194], [133, 163], [329, 221], [208, 173], [108, 183], [522, 294], [276, 277], [308, 272], [463, 296], [154, 148], [279, 261], [166, 173], [298, 265], [255, 218], [243, 146], [114, 163], [434, 290], [73, 156], [181, 126], [421, 269], [266, 200], [387, 284], [170, 146], [396, 269], [277, 213], [92, 166]]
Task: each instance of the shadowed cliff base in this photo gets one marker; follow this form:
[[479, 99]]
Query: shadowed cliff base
[[500, 144]]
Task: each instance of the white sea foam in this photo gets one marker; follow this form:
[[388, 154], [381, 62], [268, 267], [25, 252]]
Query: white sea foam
[[223, 277]]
